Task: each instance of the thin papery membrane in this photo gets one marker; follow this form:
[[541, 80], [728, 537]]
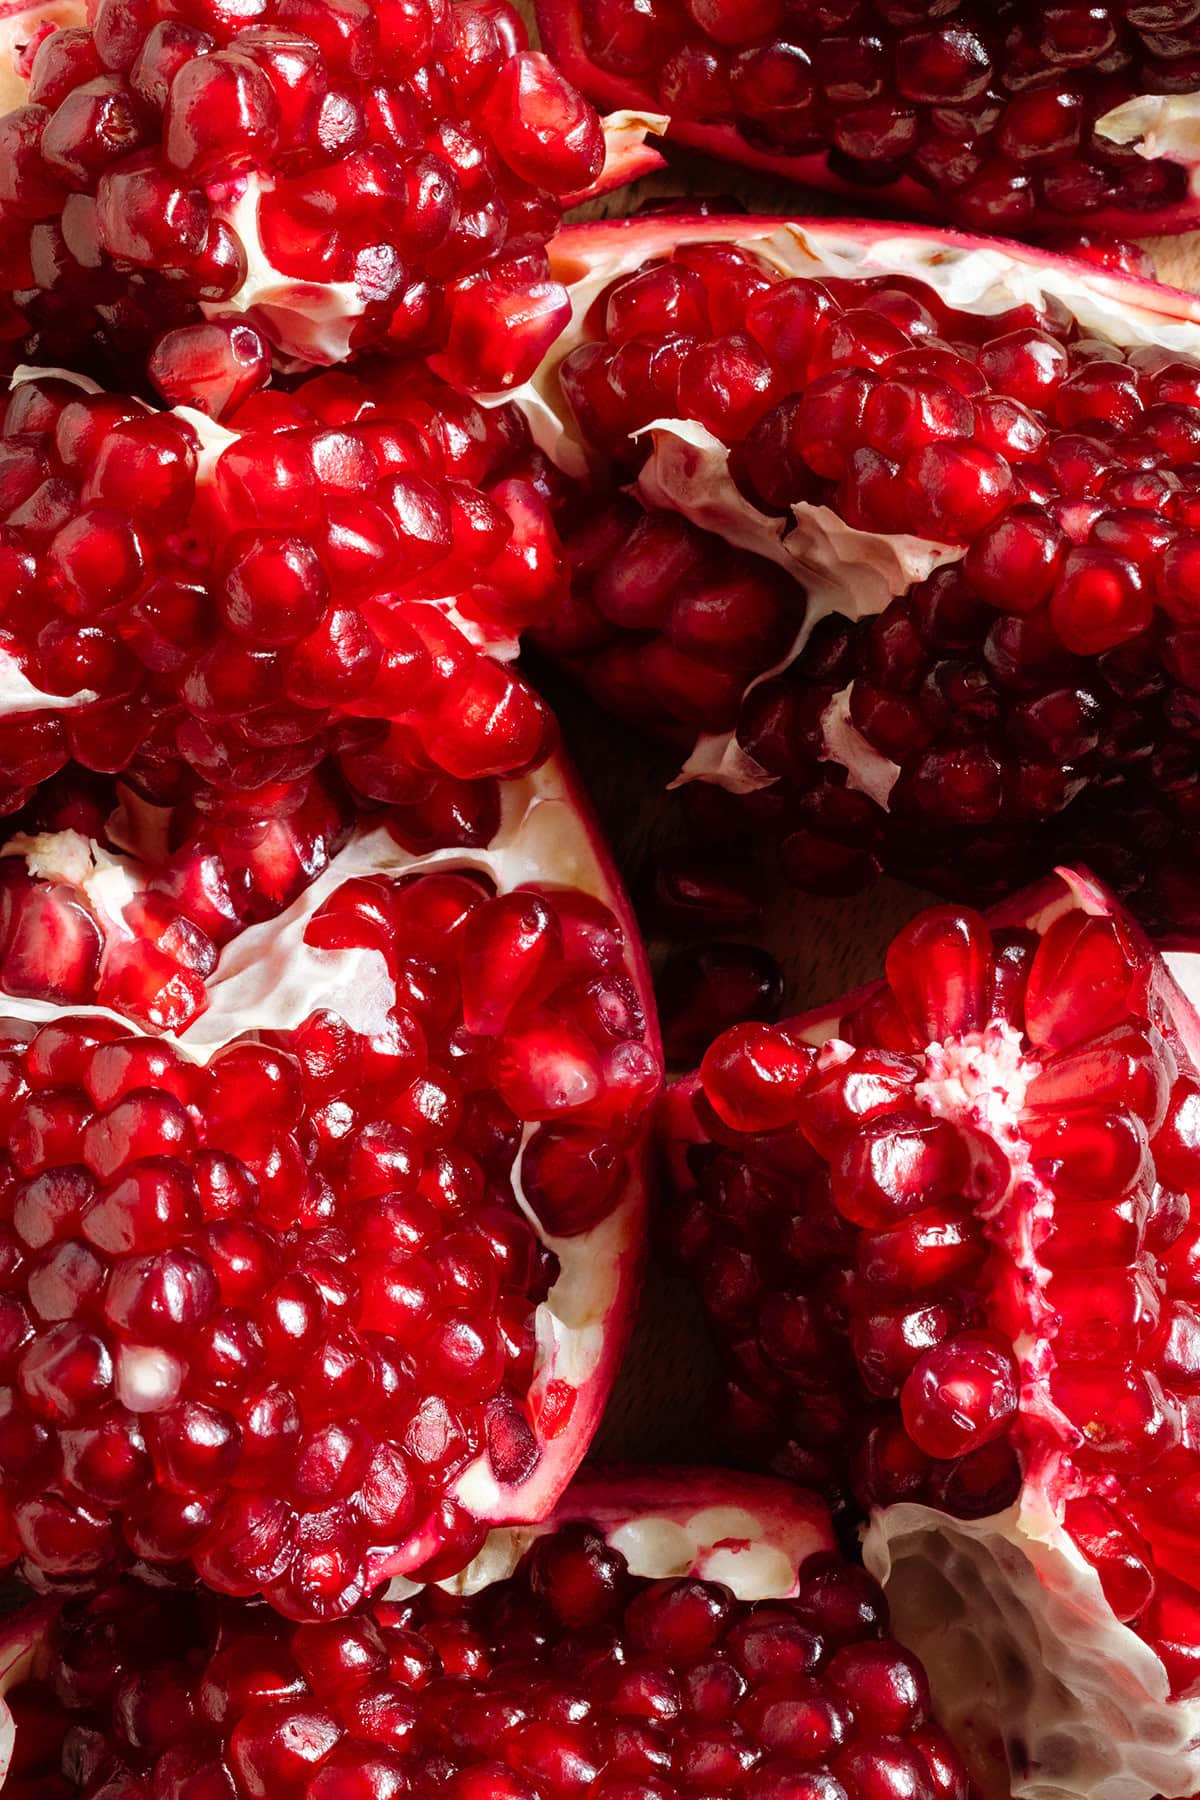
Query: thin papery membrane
[[1159, 126], [1042, 1688], [853, 573], [270, 979]]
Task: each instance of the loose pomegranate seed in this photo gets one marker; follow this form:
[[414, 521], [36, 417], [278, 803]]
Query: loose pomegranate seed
[[585, 1669], [273, 1309], [285, 590], [949, 1257], [329, 179], [1016, 685], [999, 119]]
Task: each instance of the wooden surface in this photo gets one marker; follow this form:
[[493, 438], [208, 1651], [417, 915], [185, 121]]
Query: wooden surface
[[658, 1409]]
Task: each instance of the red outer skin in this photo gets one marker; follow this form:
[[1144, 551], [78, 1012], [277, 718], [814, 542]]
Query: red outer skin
[[573, 248], [679, 1128], [560, 27], [607, 1498]]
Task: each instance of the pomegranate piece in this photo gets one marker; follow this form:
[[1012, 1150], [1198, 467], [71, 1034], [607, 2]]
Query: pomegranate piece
[[660, 1636], [978, 469], [323, 1215], [333, 176], [1019, 119], [943, 1233], [344, 568]]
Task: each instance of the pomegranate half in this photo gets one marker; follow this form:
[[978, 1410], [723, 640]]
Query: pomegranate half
[[1019, 119], [670, 1632], [315, 1285], [980, 468], [339, 175], [341, 569], [945, 1233]]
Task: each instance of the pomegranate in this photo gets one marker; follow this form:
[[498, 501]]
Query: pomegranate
[[678, 1632], [1016, 118], [338, 175], [342, 569], [308, 1284], [944, 1234], [979, 468]]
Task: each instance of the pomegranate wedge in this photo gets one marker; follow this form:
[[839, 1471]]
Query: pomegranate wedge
[[338, 172], [312, 1287], [1020, 119], [980, 469], [344, 568], [947, 1225], [674, 1632]]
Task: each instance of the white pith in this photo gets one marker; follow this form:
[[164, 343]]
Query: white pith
[[269, 979], [850, 572], [23, 26], [1160, 127], [1044, 1691], [752, 1535]]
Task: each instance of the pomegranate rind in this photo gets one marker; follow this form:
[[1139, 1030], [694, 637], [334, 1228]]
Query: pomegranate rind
[[1045, 1692], [749, 1532], [853, 573], [1160, 127], [269, 978]]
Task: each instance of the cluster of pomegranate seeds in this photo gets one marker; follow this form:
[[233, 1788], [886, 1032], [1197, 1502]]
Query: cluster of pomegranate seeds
[[260, 1309], [93, 912], [1048, 668], [981, 1188], [666, 625], [327, 572], [571, 1676], [343, 173], [988, 113]]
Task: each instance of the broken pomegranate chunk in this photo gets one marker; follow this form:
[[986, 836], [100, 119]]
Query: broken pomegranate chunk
[[682, 1632], [344, 568], [944, 1233], [321, 1233], [978, 470], [337, 176], [1019, 119]]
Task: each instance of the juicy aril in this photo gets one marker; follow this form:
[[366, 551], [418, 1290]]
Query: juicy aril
[[340, 569], [308, 1288], [947, 1226], [1017, 118], [669, 1633], [970, 479], [340, 174]]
